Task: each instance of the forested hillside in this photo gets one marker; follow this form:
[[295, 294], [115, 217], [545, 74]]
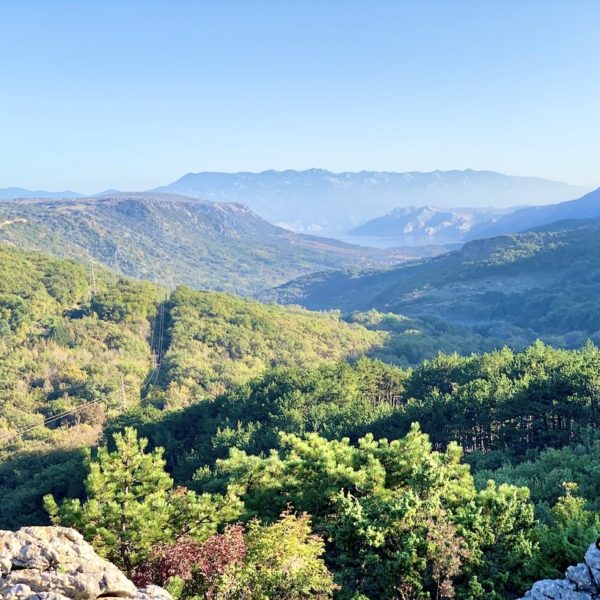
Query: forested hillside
[[174, 240], [73, 335], [397, 509], [515, 288], [502, 407], [181, 428], [68, 340]]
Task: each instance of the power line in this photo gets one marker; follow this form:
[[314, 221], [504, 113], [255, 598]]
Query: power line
[[94, 290], [9, 436], [123, 396], [9, 454], [153, 379]]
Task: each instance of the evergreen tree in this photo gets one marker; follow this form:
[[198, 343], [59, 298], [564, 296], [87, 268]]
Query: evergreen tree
[[132, 505]]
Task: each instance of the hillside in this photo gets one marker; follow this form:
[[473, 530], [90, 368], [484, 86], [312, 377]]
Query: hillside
[[340, 443], [320, 201], [427, 224], [16, 192], [586, 207], [540, 283], [176, 240], [67, 340], [253, 413]]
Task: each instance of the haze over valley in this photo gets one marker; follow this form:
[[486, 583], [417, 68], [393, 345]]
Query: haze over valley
[[299, 300], [365, 208], [319, 201]]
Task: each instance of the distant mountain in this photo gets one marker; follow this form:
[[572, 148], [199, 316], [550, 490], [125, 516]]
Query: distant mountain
[[536, 284], [172, 239], [16, 192], [319, 201], [587, 207], [427, 224]]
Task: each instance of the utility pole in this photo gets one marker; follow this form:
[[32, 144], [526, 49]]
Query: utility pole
[[93, 280], [123, 396]]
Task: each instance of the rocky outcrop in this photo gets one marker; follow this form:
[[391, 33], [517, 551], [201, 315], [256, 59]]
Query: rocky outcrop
[[582, 582], [56, 563]]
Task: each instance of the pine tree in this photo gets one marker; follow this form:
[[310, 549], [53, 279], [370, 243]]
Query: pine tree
[[132, 505]]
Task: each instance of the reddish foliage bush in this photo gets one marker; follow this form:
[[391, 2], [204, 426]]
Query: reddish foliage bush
[[188, 559]]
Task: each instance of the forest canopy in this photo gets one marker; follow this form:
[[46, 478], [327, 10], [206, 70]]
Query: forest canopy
[[272, 436]]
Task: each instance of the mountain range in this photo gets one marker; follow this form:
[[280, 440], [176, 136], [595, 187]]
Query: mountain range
[[586, 207], [12, 193], [317, 201], [427, 224], [327, 203], [176, 240]]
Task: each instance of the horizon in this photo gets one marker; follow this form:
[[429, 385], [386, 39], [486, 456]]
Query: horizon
[[134, 95], [326, 272], [585, 189]]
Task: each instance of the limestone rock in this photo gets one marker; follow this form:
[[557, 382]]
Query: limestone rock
[[582, 581], [582, 578], [152, 592], [56, 563], [592, 560], [558, 589]]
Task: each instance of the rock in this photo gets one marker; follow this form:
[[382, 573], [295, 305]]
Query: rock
[[56, 563], [556, 589], [592, 560], [152, 592], [582, 578], [582, 581]]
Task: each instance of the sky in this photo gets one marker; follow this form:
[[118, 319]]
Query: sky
[[134, 94]]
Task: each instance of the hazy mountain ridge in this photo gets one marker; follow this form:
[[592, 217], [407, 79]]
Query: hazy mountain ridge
[[428, 223], [172, 239], [586, 207], [13, 193], [326, 203], [320, 201]]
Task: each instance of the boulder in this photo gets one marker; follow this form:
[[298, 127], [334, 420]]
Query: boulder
[[581, 582], [56, 563], [592, 560]]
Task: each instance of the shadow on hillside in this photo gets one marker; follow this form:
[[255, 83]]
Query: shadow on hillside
[[27, 477], [411, 347], [176, 432]]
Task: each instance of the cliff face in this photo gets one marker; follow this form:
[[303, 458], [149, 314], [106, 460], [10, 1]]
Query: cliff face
[[56, 563], [581, 582]]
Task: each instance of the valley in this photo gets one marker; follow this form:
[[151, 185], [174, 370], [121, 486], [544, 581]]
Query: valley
[[252, 407], [513, 288], [359, 376], [321, 202], [173, 240], [340, 393], [299, 300]]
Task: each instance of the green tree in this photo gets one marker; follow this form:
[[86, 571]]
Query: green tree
[[564, 541], [400, 518], [132, 504], [283, 560]]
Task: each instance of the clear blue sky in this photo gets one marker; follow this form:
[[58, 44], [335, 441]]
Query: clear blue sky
[[133, 94]]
